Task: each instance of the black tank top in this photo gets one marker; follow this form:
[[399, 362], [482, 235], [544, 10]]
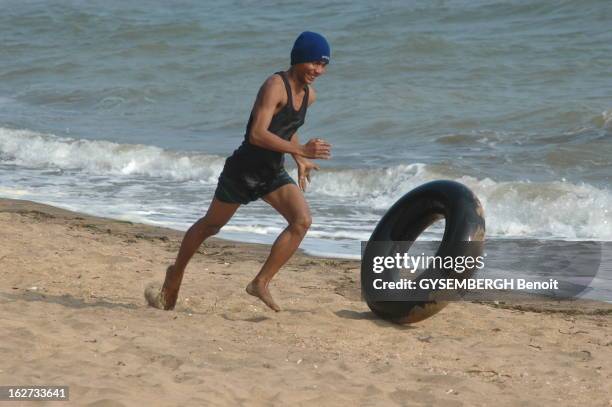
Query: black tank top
[[254, 161]]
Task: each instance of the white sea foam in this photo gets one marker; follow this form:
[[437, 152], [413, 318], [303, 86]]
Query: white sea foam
[[31, 149], [259, 230], [14, 192], [347, 203], [549, 210], [376, 186]]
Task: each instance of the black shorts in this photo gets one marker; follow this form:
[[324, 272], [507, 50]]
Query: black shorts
[[244, 189]]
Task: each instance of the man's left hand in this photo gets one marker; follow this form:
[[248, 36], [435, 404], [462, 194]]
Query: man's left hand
[[304, 167]]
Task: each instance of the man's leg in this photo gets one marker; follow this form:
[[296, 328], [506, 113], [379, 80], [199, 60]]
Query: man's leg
[[289, 201], [218, 214]]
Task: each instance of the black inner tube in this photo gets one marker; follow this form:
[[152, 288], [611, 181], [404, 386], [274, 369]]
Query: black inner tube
[[407, 219]]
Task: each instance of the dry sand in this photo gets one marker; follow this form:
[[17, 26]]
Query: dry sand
[[72, 313]]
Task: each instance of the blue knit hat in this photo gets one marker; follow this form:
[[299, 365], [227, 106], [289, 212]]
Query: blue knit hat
[[310, 47]]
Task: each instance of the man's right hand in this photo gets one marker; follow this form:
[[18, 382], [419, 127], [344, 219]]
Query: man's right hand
[[316, 148]]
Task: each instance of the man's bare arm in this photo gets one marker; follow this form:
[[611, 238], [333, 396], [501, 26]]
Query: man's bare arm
[[271, 95], [296, 140], [304, 166]]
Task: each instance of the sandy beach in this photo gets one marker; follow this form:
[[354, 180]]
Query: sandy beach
[[73, 313]]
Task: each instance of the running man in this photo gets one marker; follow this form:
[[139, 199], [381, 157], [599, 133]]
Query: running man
[[256, 170]]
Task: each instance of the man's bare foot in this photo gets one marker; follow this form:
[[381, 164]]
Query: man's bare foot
[[157, 298], [261, 291], [154, 296]]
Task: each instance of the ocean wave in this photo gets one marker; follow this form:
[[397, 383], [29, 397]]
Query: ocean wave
[[36, 150], [603, 120], [555, 209], [548, 210]]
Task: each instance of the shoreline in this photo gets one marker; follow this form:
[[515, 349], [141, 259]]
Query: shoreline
[[73, 314]]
